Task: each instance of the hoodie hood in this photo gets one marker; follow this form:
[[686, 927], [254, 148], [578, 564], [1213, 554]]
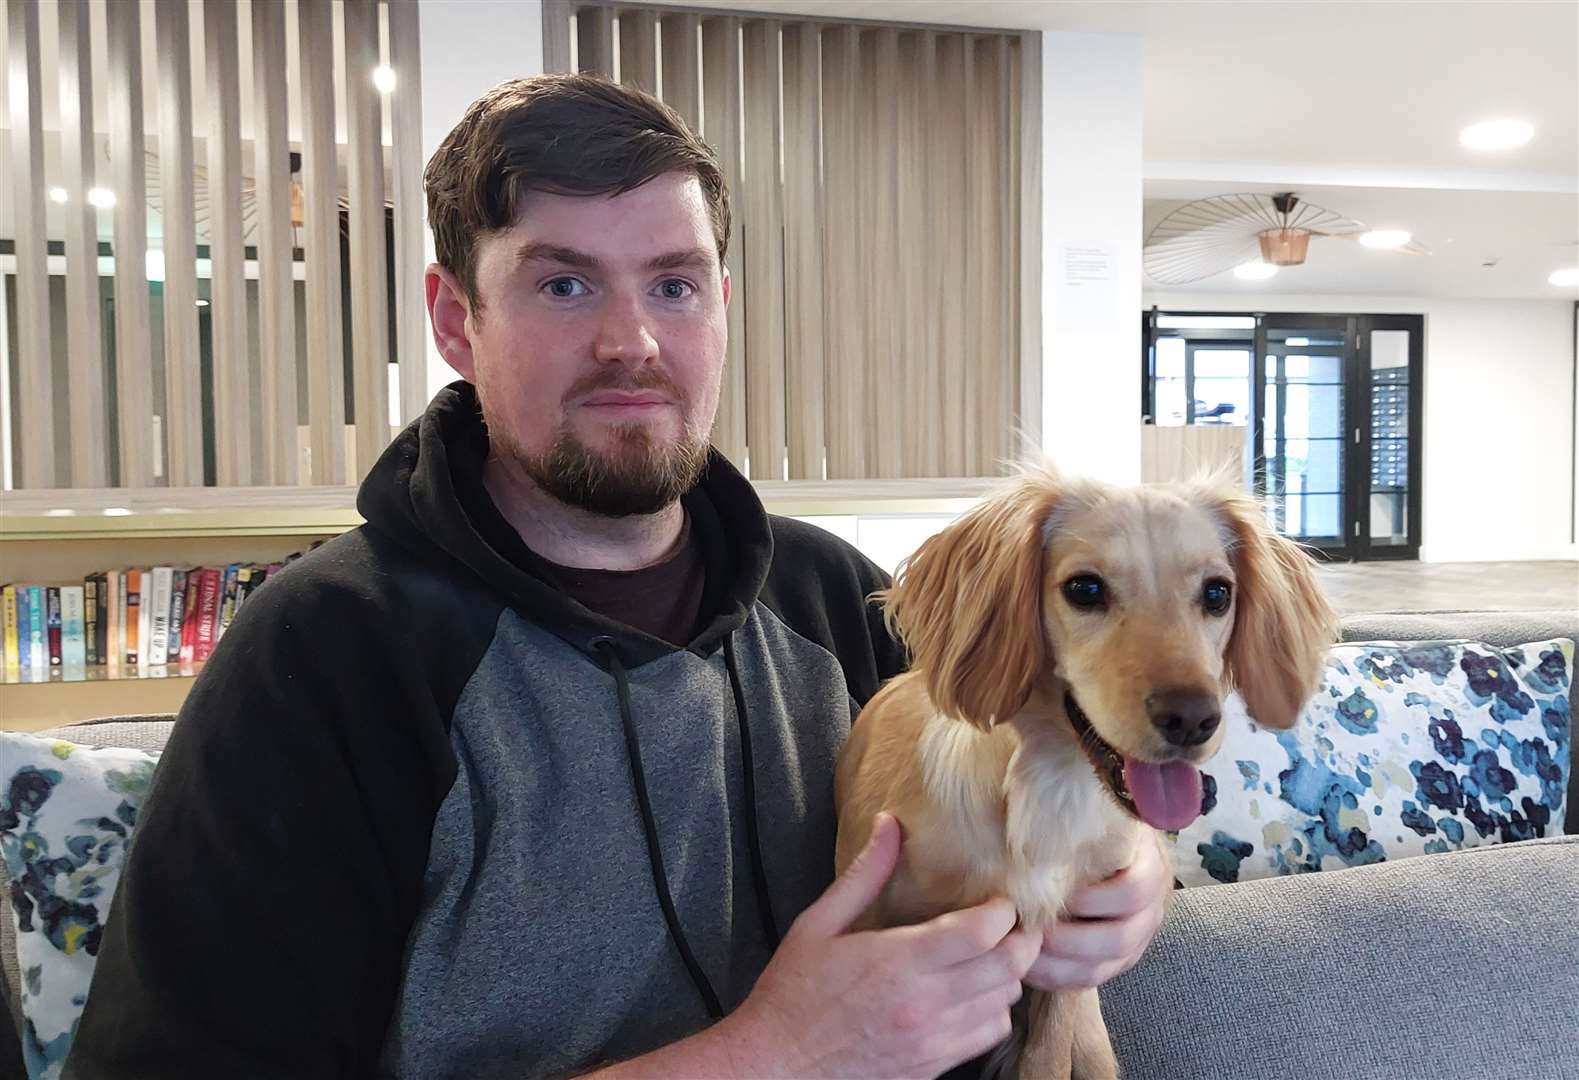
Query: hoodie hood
[[426, 492]]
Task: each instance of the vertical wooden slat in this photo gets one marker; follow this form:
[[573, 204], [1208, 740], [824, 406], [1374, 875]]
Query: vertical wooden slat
[[595, 40], [974, 358], [369, 254], [987, 170], [36, 442], [682, 85], [1029, 248], [90, 423], [951, 157], [1007, 387], [321, 228], [556, 34], [183, 412], [880, 79], [133, 367], [845, 352], [762, 223], [721, 128], [276, 284], [936, 276], [912, 222], [804, 226], [411, 317], [233, 414], [639, 50]]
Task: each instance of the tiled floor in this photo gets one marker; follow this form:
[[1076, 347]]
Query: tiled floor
[[1417, 586]]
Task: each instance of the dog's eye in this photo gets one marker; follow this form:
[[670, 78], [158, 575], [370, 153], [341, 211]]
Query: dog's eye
[[1216, 595], [1086, 591]]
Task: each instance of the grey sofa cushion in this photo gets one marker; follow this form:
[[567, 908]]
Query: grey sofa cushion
[[1458, 965], [1499, 628]]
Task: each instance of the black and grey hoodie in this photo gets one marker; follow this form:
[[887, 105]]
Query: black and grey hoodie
[[399, 830]]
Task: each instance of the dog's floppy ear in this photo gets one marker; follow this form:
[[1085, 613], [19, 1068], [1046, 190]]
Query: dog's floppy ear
[[1282, 622], [968, 604]]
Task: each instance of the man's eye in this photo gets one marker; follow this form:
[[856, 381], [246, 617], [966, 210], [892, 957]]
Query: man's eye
[[675, 289], [564, 288]]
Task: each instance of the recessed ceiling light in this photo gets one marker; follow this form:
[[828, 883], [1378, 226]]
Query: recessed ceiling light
[[384, 78], [1496, 134], [202, 303], [153, 264], [1254, 271], [58, 194], [1385, 238], [1565, 278], [103, 198]]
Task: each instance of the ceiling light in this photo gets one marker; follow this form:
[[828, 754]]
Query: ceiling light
[[153, 264], [1297, 342], [1496, 134], [1254, 271], [58, 194], [1385, 238], [384, 78], [202, 303], [103, 198], [1565, 278]]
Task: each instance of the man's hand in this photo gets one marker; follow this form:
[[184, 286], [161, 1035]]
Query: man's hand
[[1108, 925], [914, 1000]]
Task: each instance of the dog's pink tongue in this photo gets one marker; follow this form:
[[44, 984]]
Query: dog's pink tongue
[[1166, 796]]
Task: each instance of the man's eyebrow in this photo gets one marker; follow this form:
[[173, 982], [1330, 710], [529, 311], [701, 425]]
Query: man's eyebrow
[[697, 258], [555, 253]]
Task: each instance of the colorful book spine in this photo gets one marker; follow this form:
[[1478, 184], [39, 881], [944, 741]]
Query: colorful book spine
[[207, 614], [157, 604], [227, 600], [134, 603], [73, 629], [117, 634], [177, 608], [12, 644], [52, 626], [24, 623], [90, 619], [194, 582], [38, 639]]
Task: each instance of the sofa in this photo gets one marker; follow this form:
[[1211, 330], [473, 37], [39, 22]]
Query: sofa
[[1463, 963]]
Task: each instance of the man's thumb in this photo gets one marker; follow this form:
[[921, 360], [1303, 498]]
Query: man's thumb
[[861, 883]]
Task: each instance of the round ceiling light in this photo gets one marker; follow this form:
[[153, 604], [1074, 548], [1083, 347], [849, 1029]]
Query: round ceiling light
[[1565, 278], [1254, 271], [103, 198], [384, 79], [1497, 134], [1385, 239]]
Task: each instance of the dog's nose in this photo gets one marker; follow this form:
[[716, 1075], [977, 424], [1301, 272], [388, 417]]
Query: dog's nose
[[1185, 717]]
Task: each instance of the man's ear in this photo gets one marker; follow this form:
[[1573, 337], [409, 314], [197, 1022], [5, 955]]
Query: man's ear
[[729, 285], [448, 310]]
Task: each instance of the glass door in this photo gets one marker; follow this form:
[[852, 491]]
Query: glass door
[[1389, 363], [1303, 408]]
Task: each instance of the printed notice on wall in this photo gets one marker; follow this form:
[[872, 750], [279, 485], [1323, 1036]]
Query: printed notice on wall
[[1086, 291]]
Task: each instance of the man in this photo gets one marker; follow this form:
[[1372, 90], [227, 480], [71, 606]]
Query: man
[[532, 773]]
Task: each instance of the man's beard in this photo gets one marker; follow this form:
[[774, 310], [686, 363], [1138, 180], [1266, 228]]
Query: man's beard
[[633, 476]]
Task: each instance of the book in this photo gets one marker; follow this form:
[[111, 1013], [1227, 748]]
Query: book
[[52, 623], [227, 600], [117, 641], [144, 621], [189, 616], [157, 604], [73, 628], [207, 613], [177, 607], [90, 618], [12, 644], [24, 623], [133, 607], [38, 640]]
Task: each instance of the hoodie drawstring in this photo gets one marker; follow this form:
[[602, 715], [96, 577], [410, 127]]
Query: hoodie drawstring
[[759, 874]]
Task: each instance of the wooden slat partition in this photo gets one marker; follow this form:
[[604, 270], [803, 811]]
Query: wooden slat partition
[[682, 82], [910, 304], [183, 385], [369, 253], [762, 226], [1028, 248], [321, 239], [128, 179], [998, 418], [556, 34], [956, 356], [411, 316], [935, 274], [233, 413], [595, 40], [90, 428], [803, 232], [881, 80], [639, 50], [34, 362], [276, 287], [721, 128], [845, 353]]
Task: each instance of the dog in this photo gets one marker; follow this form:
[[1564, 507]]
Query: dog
[[1071, 645]]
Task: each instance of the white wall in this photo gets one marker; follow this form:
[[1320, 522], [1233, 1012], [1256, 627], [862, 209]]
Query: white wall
[[469, 47], [1497, 472], [1091, 210]]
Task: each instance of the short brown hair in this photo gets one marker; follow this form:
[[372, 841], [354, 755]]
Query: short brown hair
[[563, 134]]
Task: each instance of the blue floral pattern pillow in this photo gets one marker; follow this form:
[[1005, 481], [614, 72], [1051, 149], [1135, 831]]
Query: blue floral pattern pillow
[[67, 814], [1405, 749]]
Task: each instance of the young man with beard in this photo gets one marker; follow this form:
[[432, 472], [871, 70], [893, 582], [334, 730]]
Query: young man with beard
[[532, 773]]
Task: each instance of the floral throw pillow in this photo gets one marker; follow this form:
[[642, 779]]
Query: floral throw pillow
[[1405, 749], [67, 815]]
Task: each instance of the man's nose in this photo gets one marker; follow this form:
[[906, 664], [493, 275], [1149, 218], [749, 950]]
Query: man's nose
[[625, 336]]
